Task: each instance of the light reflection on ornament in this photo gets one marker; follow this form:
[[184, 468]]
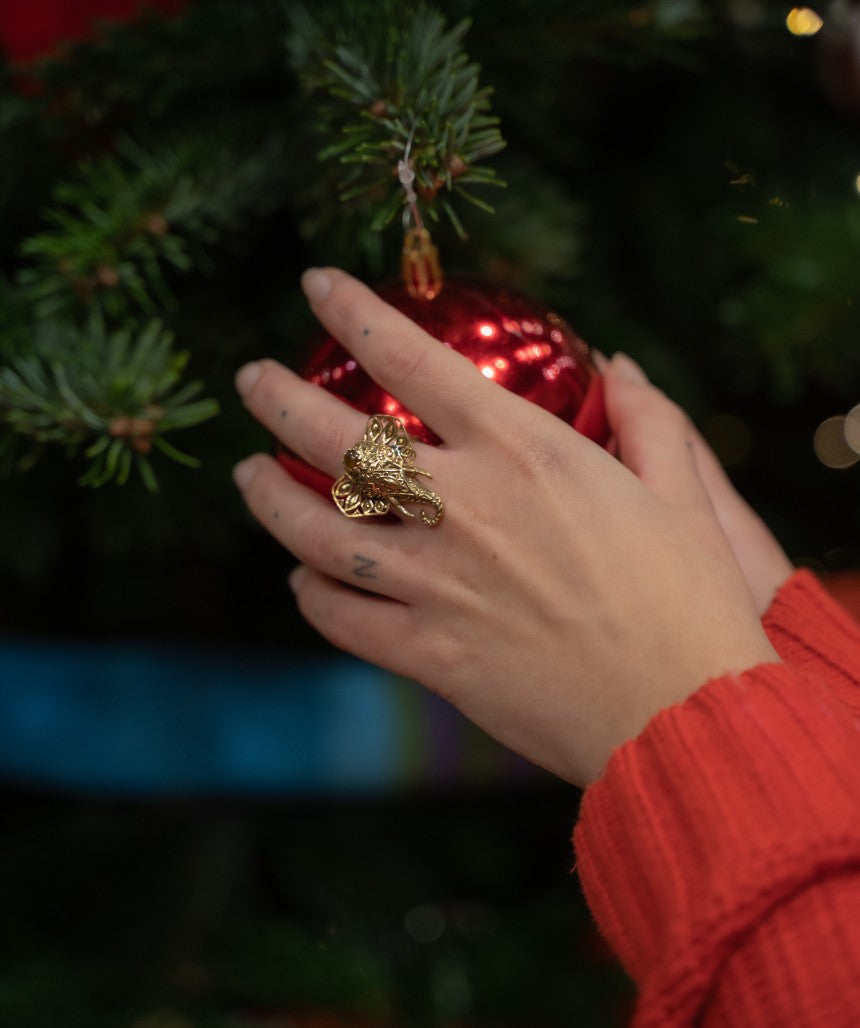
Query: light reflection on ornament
[[512, 339], [831, 444], [533, 352], [803, 21]]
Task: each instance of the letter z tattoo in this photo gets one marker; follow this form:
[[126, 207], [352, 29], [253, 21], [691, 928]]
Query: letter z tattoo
[[364, 567]]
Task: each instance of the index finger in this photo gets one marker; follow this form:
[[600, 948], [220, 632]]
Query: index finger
[[443, 388]]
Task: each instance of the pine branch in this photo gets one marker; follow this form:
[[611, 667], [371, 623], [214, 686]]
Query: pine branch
[[110, 395], [389, 85], [128, 218]]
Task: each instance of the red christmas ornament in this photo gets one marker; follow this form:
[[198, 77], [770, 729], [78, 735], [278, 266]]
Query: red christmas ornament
[[515, 342]]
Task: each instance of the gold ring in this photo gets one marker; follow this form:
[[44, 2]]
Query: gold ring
[[378, 474]]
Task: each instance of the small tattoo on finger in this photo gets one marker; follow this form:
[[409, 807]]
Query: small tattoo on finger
[[364, 567]]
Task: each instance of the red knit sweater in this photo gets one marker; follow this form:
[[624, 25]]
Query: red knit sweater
[[720, 852]]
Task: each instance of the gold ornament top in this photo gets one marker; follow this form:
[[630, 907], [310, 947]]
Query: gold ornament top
[[379, 474], [419, 265]]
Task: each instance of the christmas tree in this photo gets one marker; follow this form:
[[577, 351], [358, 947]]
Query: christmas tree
[[679, 180], [167, 176]]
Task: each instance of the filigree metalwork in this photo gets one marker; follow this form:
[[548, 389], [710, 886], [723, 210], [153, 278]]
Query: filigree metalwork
[[379, 474]]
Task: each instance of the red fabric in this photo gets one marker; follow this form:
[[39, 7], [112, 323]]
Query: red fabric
[[720, 852], [30, 29]]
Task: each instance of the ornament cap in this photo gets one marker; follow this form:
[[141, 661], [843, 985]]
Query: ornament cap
[[420, 268]]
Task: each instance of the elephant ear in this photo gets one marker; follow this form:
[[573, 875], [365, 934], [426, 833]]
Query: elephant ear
[[385, 430], [355, 503]]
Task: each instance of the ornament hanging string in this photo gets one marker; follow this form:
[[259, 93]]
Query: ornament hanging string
[[406, 175]]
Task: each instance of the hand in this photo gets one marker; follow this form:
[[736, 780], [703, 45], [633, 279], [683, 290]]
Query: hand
[[632, 405], [560, 603]]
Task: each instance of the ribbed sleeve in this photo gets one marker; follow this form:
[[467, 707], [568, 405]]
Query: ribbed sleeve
[[720, 855], [810, 631]]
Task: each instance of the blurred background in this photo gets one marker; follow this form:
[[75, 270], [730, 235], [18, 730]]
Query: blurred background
[[210, 817]]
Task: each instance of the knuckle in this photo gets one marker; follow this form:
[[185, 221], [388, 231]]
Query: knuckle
[[404, 360], [312, 542], [325, 440], [448, 655]]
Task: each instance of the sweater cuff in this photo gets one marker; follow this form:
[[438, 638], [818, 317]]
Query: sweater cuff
[[725, 807], [814, 634]]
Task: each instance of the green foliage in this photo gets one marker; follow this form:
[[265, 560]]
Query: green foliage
[[140, 191], [114, 402], [128, 215], [391, 83], [798, 296]]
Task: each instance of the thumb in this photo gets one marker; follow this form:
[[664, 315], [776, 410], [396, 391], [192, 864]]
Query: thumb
[[654, 436]]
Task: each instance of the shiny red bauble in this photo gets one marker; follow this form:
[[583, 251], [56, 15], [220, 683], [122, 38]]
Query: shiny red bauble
[[515, 341]]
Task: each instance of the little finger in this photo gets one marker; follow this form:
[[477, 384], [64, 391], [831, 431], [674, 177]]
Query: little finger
[[378, 630]]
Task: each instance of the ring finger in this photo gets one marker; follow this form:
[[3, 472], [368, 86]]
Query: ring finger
[[375, 557]]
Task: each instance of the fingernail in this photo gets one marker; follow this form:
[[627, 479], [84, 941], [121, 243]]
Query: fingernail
[[316, 284], [296, 577], [246, 377], [627, 368], [244, 471], [600, 360]]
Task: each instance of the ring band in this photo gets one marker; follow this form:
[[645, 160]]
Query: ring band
[[379, 473]]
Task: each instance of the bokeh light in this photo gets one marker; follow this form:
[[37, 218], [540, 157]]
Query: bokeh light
[[424, 923], [831, 444], [852, 429], [803, 21]]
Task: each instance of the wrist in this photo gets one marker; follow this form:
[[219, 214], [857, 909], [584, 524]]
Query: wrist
[[678, 682]]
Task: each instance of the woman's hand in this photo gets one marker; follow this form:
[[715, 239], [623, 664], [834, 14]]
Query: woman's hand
[[561, 601], [631, 404]]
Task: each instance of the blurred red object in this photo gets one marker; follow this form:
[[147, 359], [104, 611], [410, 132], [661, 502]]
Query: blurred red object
[[30, 29]]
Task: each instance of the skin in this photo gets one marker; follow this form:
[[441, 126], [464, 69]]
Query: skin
[[566, 596]]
